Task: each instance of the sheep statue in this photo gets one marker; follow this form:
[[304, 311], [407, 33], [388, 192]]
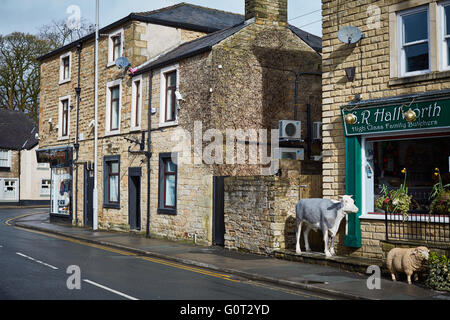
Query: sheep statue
[[406, 260]]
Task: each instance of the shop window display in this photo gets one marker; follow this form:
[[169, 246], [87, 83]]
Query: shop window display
[[391, 163], [61, 191]]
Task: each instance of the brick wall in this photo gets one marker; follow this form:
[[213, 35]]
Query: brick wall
[[372, 59]]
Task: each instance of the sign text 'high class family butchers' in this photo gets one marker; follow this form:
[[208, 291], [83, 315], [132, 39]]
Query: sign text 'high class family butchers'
[[372, 120]]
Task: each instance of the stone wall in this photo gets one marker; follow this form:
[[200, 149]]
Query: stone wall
[[260, 210]]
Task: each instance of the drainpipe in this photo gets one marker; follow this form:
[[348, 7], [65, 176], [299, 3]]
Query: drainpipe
[[77, 145], [149, 148]]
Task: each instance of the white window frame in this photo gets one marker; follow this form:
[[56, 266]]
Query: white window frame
[[8, 158], [60, 118], [47, 193], [401, 51], [109, 85], [162, 103], [2, 190], [133, 126], [444, 65], [120, 32], [364, 205], [61, 67]]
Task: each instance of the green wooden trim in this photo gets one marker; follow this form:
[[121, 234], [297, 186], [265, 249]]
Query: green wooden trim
[[353, 178]]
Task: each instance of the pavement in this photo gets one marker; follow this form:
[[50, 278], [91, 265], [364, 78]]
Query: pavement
[[324, 279]]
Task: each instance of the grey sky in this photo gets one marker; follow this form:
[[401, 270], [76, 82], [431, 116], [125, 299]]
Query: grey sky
[[29, 15]]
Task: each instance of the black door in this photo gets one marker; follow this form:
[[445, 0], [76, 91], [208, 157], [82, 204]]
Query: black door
[[134, 198], [218, 211], [88, 197]]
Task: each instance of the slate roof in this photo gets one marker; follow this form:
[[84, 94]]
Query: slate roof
[[182, 15], [206, 43], [193, 17], [190, 49], [17, 130]]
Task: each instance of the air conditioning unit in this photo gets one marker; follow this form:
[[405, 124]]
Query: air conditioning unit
[[317, 131], [290, 130], [290, 153]]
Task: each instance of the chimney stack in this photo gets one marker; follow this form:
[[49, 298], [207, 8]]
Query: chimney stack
[[270, 12]]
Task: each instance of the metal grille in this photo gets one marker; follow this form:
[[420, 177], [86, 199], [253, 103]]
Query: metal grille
[[421, 227]]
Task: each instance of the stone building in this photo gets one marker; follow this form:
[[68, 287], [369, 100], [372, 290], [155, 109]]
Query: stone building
[[240, 77], [386, 119], [22, 180]]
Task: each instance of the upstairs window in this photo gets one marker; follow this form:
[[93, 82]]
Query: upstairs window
[[445, 34], [115, 46], [5, 159], [136, 104], [64, 72], [113, 107], [64, 117], [414, 42], [171, 101]]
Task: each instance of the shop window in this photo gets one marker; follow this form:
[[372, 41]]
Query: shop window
[[385, 161], [61, 191], [111, 182], [167, 184], [413, 42]]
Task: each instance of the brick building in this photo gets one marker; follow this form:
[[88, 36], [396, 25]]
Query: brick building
[[400, 64], [206, 70]]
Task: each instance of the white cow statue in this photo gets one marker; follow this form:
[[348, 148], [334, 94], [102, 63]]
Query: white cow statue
[[323, 214]]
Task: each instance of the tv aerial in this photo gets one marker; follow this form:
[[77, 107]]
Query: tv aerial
[[350, 34]]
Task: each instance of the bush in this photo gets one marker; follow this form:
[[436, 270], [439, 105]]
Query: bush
[[439, 275]]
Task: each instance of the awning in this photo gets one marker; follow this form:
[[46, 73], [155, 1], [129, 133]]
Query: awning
[[57, 156]]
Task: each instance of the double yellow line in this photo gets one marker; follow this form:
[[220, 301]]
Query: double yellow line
[[127, 253]]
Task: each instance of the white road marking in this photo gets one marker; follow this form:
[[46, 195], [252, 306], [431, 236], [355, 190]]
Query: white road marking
[[109, 289], [38, 261]]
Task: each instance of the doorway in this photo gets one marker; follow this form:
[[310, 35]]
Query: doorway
[[134, 198], [218, 211], [88, 197]]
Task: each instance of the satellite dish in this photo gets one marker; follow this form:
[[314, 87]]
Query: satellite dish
[[350, 34], [122, 63]]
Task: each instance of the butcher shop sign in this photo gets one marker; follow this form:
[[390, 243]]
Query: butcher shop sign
[[385, 119]]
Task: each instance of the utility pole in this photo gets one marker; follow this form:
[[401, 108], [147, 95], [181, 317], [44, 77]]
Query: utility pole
[[95, 197]]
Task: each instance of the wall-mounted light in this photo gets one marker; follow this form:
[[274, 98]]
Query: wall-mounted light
[[350, 119], [410, 115], [350, 72]]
